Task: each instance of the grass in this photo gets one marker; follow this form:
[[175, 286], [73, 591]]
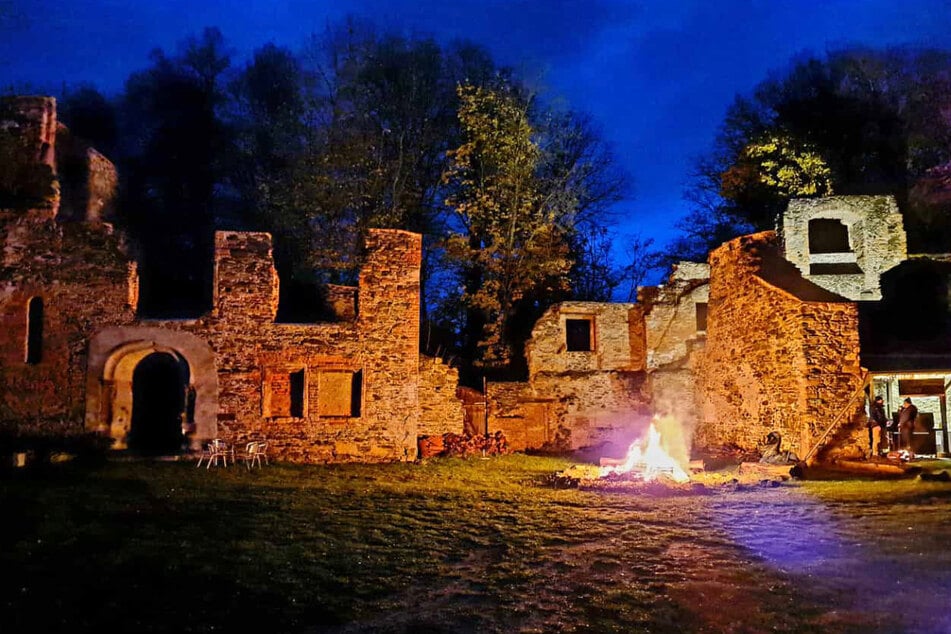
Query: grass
[[460, 546]]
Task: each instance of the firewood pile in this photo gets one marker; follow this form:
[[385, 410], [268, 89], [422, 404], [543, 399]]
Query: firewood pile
[[462, 445]]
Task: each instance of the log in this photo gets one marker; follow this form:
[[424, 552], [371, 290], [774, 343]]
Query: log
[[880, 468], [766, 470]]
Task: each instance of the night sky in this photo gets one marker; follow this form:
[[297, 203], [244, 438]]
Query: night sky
[[656, 76]]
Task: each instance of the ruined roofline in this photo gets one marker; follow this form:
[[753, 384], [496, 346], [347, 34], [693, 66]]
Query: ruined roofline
[[770, 269]]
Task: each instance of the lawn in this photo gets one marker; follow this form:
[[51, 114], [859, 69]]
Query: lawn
[[462, 546]]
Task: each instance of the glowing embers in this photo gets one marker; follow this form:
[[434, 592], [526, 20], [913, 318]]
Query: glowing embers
[[647, 460]]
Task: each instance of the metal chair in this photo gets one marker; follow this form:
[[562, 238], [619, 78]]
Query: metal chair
[[214, 451], [254, 451]]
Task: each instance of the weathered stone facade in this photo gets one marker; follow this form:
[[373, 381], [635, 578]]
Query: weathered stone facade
[[586, 380], [440, 412], [73, 349], [781, 353], [845, 243], [676, 326], [733, 349]]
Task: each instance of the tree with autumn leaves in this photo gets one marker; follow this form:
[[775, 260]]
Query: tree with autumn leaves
[[509, 235]]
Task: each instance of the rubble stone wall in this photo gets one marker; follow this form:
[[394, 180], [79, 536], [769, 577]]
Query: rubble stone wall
[[577, 398], [617, 339], [773, 361], [440, 410], [876, 239], [80, 276]]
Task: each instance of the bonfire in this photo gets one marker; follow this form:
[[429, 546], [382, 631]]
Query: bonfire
[[647, 460]]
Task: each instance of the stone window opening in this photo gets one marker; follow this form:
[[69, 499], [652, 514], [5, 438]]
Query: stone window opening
[[701, 316], [579, 335], [340, 394], [297, 394], [830, 248], [34, 331], [828, 235], [285, 393]]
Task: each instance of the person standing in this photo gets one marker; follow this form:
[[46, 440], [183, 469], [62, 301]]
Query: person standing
[[877, 421], [906, 421]]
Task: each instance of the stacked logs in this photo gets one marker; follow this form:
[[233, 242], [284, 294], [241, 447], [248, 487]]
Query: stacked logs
[[462, 445]]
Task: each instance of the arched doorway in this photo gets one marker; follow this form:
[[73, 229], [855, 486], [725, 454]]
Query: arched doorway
[[114, 355], [159, 384]]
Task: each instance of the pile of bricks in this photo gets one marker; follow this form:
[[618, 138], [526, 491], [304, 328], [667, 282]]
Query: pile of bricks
[[462, 445]]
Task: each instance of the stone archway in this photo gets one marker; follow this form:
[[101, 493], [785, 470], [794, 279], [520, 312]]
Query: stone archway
[[114, 356], [159, 414]]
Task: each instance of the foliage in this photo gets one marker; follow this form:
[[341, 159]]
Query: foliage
[[173, 142], [510, 239], [356, 131], [770, 171], [876, 119]]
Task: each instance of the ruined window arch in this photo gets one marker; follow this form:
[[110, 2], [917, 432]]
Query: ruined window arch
[[828, 235], [34, 330]]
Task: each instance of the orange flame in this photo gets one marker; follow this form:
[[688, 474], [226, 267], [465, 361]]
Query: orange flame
[[649, 459]]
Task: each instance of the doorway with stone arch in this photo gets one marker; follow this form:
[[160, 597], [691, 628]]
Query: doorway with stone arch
[[159, 403], [153, 391]]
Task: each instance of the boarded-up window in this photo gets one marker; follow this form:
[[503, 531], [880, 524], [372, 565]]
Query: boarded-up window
[[284, 394], [701, 317], [340, 393], [578, 335], [34, 330]]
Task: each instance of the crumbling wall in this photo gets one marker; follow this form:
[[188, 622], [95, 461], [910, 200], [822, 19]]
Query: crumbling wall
[[359, 379], [616, 338], [75, 276], [876, 239], [516, 410], [781, 353], [318, 392], [581, 397], [674, 316], [27, 158], [440, 410], [80, 276]]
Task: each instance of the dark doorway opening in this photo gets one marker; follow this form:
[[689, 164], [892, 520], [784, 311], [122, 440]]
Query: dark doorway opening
[[159, 383]]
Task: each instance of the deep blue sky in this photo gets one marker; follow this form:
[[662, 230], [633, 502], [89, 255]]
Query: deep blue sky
[[657, 76]]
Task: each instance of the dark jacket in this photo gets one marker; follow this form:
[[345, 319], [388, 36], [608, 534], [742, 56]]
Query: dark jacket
[[876, 415], [907, 416]]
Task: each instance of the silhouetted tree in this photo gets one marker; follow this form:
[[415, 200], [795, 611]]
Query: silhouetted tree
[[875, 119], [173, 143]]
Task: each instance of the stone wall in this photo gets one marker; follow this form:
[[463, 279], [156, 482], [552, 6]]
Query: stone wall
[[348, 390], [80, 276], [674, 316], [781, 353], [27, 154], [440, 410], [617, 339], [876, 242], [582, 397]]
